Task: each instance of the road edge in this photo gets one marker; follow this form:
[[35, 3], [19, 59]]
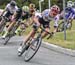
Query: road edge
[[59, 49]]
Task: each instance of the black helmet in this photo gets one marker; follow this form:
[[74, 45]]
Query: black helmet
[[13, 3], [19, 10]]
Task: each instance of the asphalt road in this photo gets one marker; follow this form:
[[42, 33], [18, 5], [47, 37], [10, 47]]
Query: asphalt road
[[8, 55]]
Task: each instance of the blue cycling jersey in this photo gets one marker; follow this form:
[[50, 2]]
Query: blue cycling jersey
[[69, 12]]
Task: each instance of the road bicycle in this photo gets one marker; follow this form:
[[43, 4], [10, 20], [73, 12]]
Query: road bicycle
[[12, 32], [67, 24], [32, 46], [3, 21]]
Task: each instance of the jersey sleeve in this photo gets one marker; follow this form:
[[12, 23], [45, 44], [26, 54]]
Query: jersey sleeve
[[56, 20], [45, 12]]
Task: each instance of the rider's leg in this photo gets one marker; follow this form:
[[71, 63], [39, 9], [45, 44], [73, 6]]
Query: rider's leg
[[11, 25], [8, 29], [1, 23], [31, 34]]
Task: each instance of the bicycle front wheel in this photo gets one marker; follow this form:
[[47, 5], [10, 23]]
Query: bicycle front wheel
[[7, 38], [33, 48], [61, 27]]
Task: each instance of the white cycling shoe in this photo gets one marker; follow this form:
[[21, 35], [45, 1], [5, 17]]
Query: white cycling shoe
[[20, 49]]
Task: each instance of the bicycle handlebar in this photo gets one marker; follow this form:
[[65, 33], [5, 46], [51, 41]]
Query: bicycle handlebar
[[50, 33]]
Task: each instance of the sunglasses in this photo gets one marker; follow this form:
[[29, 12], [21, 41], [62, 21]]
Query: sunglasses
[[54, 11]]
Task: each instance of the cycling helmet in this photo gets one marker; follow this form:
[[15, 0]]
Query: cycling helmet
[[55, 9], [13, 3], [32, 5], [69, 4], [25, 8], [19, 10]]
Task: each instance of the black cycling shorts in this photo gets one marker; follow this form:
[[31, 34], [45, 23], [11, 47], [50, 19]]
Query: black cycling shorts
[[44, 23], [8, 14]]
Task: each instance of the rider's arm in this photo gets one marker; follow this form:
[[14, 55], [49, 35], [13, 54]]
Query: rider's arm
[[14, 16], [6, 8], [56, 20], [35, 19], [3, 11]]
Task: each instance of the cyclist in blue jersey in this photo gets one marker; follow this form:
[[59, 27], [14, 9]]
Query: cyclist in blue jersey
[[69, 13], [69, 10]]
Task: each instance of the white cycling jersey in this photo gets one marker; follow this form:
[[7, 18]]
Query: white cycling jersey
[[9, 8], [37, 14], [56, 20], [46, 16]]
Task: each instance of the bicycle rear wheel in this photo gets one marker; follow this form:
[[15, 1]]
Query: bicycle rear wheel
[[33, 48], [6, 40]]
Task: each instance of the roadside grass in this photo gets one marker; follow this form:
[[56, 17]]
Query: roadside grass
[[58, 38]]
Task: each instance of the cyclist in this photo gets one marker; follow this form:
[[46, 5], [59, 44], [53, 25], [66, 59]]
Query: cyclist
[[10, 9], [44, 20], [25, 17], [16, 16], [69, 13], [70, 10], [32, 9], [25, 10]]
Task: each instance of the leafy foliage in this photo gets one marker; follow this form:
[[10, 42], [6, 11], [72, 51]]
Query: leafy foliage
[[44, 4]]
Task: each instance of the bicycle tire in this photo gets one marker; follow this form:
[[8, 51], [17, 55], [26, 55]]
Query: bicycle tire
[[69, 26], [6, 40], [61, 26], [38, 40], [2, 26], [11, 33]]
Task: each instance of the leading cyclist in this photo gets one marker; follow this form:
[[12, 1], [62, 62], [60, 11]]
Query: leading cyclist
[[44, 20]]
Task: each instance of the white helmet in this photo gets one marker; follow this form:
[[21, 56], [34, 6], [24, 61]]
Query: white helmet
[[69, 4]]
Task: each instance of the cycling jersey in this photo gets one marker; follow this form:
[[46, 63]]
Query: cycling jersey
[[45, 18], [37, 14], [56, 19], [10, 9], [69, 12]]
